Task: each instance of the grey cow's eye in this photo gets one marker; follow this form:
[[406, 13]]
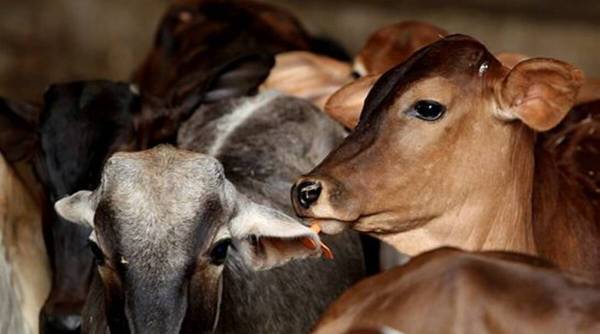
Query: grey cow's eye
[[218, 254], [427, 110], [98, 254]]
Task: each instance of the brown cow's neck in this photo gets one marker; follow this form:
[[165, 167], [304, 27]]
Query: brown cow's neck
[[537, 210], [496, 216], [563, 220]]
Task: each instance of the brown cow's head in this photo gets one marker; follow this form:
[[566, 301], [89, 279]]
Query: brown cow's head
[[443, 126], [393, 44], [163, 224], [195, 37], [385, 48]]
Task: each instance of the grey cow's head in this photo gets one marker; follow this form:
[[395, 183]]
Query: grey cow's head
[[163, 221]]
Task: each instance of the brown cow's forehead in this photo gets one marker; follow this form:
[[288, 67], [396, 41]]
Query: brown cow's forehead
[[458, 58]]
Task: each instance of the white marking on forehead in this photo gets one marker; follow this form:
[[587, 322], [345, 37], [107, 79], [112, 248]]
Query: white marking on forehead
[[483, 68], [229, 123]]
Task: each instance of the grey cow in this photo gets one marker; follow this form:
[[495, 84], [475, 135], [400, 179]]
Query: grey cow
[[180, 237]]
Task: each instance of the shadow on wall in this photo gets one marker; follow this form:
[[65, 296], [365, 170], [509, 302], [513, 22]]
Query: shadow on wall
[[51, 41], [42, 42]]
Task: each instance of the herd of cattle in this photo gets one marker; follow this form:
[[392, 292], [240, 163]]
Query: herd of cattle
[[163, 205]]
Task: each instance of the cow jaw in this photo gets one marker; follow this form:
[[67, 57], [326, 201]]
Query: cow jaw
[[330, 226]]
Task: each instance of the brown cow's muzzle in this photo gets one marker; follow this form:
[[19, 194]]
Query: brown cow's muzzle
[[318, 199]]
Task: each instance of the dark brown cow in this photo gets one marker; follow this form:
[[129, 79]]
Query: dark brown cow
[[451, 291], [195, 37], [445, 154], [574, 147]]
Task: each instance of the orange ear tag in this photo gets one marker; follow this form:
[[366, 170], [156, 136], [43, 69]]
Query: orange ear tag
[[327, 253]]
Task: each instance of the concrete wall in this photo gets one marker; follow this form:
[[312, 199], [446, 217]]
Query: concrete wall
[[58, 40]]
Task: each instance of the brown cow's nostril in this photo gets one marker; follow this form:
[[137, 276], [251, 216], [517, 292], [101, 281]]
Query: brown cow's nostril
[[307, 193]]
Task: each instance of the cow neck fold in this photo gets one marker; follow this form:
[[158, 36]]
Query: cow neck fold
[[504, 209]]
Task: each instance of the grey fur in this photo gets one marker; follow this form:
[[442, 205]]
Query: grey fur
[[152, 205], [283, 139]]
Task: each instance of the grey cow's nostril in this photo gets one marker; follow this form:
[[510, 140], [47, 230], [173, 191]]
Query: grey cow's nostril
[[308, 192]]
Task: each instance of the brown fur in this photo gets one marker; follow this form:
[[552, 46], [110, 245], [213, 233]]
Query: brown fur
[[22, 241], [473, 179], [452, 291], [393, 44], [196, 36]]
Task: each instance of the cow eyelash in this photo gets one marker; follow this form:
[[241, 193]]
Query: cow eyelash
[[218, 253]]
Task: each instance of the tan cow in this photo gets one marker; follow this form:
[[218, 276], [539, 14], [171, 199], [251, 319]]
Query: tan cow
[[444, 154], [24, 269], [452, 291]]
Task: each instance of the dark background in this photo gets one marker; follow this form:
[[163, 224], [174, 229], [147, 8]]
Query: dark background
[[45, 41]]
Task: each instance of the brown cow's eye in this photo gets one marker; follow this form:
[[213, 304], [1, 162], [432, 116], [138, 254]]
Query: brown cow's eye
[[427, 110], [218, 254], [98, 254]]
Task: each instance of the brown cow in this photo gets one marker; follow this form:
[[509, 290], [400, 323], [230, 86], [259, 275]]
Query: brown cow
[[451, 291], [444, 154], [574, 144], [345, 104], [385, 48], [316, 77], [392, 44]]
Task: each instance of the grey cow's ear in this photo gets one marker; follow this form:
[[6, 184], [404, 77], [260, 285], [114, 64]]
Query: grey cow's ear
[[77, 208], [267, 238]]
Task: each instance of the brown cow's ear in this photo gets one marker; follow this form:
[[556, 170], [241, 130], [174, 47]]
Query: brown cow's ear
[[539, 92], [393, 44], [267, 238], [307, 75], [18, 123], [346, 104]]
